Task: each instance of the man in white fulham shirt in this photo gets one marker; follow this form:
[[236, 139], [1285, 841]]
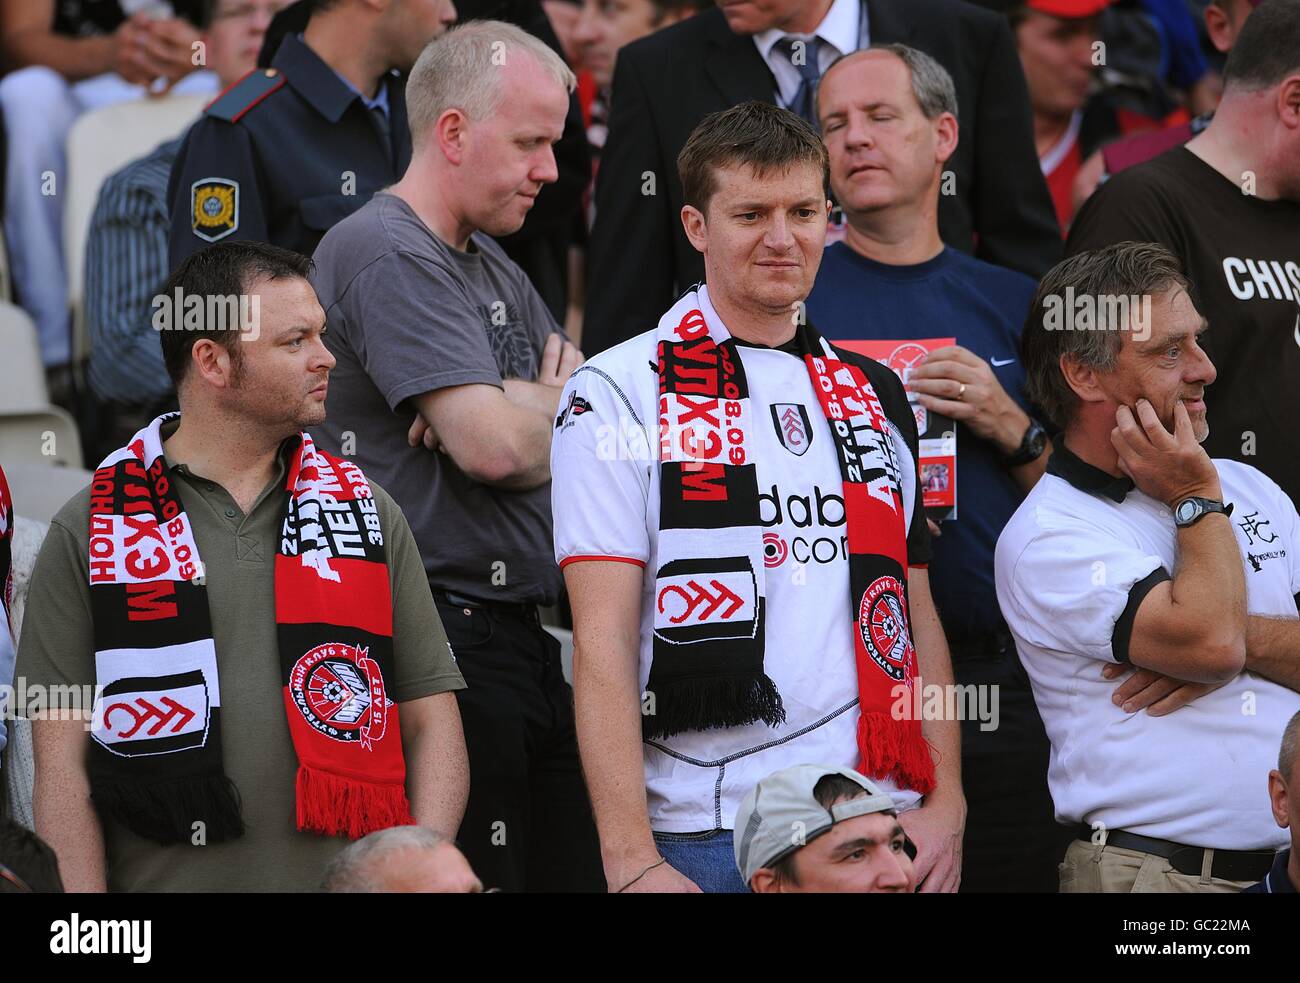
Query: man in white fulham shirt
[[1138, 553], [749, 606]]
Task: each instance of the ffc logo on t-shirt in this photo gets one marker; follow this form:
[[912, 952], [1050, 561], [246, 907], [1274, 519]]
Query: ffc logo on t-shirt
[[793, 427]]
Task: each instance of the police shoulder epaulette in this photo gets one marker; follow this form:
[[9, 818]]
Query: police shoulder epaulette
[[243, 95]]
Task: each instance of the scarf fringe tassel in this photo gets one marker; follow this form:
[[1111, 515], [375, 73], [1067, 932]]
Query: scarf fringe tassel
[[167, 811], [881, 738], [692, 703], [336, 806]]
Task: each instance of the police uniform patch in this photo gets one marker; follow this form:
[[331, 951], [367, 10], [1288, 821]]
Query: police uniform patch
[[214, 208]]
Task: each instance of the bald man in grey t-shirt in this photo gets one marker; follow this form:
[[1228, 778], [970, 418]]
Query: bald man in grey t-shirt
[[461, 342], [409, 315], [447, 389]]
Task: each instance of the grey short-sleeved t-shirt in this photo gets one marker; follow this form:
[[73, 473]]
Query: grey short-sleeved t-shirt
[[408, 314]]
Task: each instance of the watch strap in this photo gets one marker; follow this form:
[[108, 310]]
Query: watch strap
[[1032, 445], [1204, 507]]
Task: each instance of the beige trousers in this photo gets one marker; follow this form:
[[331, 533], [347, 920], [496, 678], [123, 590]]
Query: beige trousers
[[1092, 869]]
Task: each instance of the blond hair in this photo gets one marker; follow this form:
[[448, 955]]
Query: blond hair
[[462, 70]]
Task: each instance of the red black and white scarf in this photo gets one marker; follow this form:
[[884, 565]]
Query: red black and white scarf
[[156, 760], [709, 609]]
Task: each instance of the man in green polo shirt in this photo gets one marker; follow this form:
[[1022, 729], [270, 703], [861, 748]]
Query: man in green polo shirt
[[290, 735]]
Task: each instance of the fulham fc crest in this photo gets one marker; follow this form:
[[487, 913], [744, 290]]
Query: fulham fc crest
[[793, 428], [882, 623], [340, 692]]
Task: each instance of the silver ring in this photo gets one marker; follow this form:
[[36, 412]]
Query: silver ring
[[961, 393]]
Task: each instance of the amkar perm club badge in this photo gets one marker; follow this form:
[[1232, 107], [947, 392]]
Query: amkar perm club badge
[[214, 208]]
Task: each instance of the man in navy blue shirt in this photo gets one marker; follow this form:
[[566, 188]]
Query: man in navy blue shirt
[[291, 150], [888, 115], [1284, 796]]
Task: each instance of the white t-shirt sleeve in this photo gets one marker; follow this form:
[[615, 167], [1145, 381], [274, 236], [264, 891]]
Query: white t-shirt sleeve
[[1077, 591], [1283, 522], [600, 472]]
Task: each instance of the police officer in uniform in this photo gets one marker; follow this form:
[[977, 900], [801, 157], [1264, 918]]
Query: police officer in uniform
[[289, 150]]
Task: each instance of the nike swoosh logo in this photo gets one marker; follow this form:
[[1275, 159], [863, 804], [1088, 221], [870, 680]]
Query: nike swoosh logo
[[998, 363]]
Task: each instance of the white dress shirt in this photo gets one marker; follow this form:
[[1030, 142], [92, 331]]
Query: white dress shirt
[[840, 32]]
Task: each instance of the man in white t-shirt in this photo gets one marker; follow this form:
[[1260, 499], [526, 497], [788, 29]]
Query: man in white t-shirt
[[747, 580], [1138, 553]]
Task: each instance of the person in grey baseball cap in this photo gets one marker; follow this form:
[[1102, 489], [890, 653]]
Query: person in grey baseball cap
[[817, 828]]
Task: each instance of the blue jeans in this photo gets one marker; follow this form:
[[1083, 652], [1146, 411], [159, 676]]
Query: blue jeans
[[707, 858]]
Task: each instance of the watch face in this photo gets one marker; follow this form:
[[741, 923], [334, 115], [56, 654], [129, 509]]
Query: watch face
[[1187, 511]]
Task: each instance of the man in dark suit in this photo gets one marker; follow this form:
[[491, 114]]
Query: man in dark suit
[[996, 203]]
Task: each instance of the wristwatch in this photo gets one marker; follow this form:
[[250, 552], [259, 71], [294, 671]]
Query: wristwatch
[[1191, 510], [1031, 446]]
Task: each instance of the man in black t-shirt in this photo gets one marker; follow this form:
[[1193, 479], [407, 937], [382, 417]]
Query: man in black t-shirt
[[1228, 205]]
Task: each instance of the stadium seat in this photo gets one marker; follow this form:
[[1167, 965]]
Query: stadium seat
[[47, 436], [40, 490], [101, 142], [22, 376]]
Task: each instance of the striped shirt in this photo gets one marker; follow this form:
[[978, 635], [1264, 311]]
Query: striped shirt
[[126, 265]]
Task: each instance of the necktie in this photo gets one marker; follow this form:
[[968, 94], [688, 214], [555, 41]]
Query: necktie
[[803, 55], [381, 124]]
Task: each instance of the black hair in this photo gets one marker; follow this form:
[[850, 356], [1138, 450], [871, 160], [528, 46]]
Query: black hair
[[1268, 48], [220, 272], [829, 790], [27, 863], [760, 134]]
